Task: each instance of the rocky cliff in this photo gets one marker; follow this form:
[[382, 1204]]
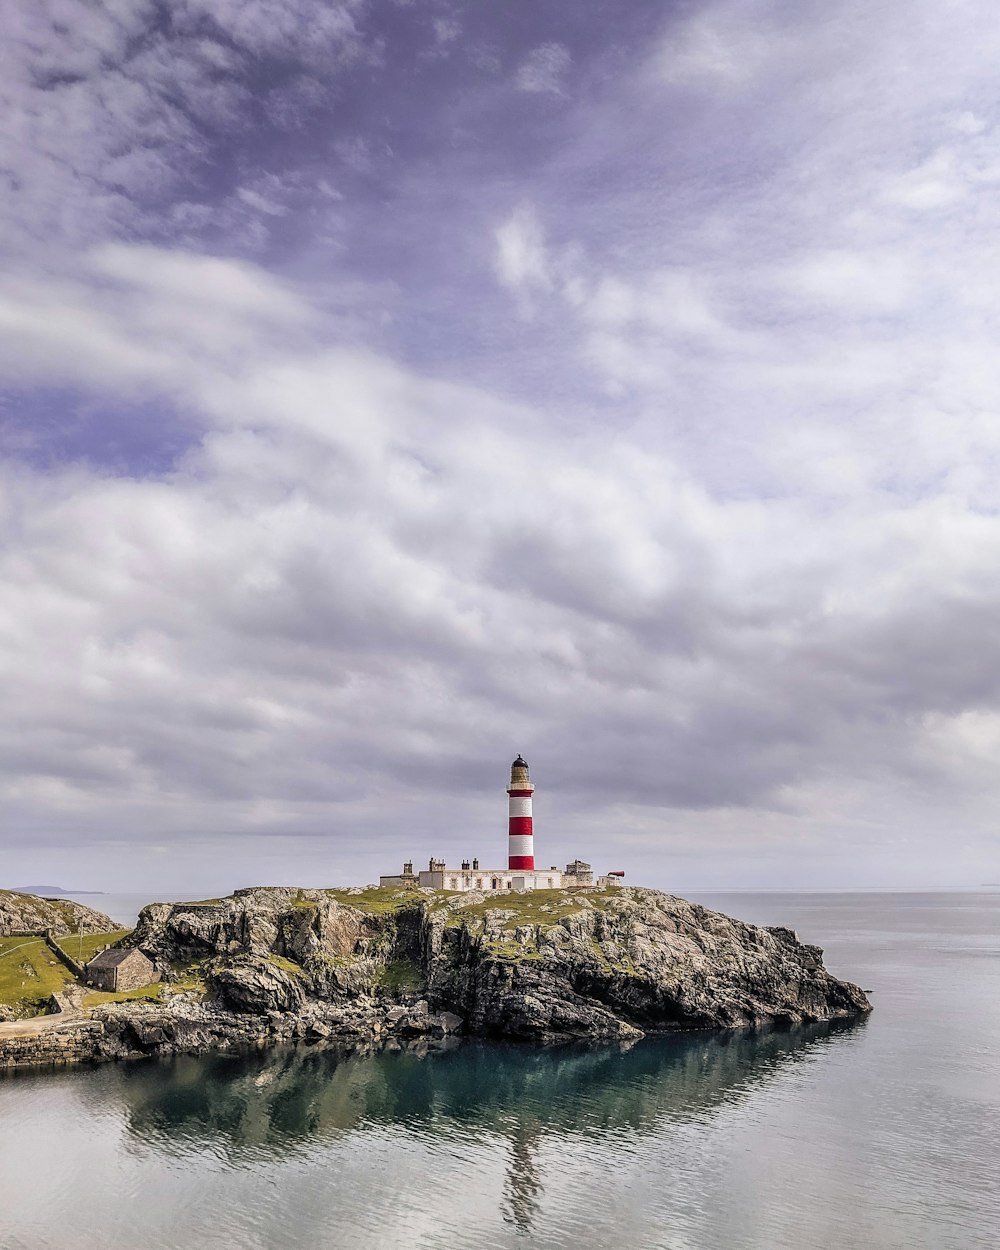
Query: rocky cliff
[[545, 966], [27, 913]]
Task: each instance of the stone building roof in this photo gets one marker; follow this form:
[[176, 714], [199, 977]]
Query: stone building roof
[[113, 958]]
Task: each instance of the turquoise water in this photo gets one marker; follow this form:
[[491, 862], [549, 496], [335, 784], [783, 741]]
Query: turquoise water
[[884, 1134]]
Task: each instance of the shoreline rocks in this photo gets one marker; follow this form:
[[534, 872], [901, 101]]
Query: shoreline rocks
[[128, 1031]]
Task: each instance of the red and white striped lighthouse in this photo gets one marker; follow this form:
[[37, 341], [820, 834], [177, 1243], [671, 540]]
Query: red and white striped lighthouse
[[520, 838]]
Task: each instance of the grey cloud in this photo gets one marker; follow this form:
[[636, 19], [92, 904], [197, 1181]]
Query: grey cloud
[[114, 109], [300, 28]]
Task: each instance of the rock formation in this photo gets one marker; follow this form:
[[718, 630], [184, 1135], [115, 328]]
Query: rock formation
[[536, 966], [351, 967], [28, 913]]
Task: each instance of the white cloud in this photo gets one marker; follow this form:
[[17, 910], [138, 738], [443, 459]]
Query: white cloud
[[723, 46], [544, 69], [446, 30], [522, 262], [141, 317], [934, 184]]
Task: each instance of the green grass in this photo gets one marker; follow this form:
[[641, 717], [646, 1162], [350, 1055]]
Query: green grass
[[84, 946], [536, 907], [378, 902], [399, 976], [511, 952], [532, 907], [186, 977], [187, 985], [286, 965], [97, 997], [29, 973]]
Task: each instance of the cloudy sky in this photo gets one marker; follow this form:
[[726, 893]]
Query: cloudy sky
[[389, 387]]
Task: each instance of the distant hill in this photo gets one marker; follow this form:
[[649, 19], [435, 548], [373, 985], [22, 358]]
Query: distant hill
[[47, 891]]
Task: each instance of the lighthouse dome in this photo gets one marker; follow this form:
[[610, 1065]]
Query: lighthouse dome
[[520, 762]]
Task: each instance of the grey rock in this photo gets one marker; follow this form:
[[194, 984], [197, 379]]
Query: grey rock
[[28, 913], [613, 964], [630, 962], [256, 986]]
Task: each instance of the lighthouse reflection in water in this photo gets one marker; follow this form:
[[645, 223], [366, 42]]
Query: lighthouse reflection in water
[[417, 1148]]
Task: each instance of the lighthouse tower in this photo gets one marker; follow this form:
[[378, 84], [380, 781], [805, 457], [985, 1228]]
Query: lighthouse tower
[[520, 839]]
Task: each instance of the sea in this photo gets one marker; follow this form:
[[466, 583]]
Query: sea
[[881, 1135]]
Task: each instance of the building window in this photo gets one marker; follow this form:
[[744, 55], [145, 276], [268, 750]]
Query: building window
[[510, 885], [479, 883], [452, 883], [552, 882]]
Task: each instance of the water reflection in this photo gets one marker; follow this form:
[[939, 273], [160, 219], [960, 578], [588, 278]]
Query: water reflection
[[281, 1102], [523, 1188]]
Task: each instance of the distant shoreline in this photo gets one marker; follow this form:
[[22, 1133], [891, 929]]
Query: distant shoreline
[[49, 891]]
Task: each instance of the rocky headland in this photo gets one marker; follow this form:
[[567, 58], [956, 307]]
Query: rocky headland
[[28, 913], [395, 967]]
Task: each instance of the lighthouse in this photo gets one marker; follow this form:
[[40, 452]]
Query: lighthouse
[[520, 873], [520, 838]]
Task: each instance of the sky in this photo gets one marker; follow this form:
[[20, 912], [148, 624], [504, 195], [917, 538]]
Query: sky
[[388, 387]]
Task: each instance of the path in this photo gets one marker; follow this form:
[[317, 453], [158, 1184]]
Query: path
[[40, 1024], [29, 942]]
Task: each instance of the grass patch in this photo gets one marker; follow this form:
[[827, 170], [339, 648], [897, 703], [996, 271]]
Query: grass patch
[[183, 978], [382, 901], [29, 973], [511, 952], [286, 965], [532, 907], [399, 976], [187, 985], [84, 946], [97, 997]]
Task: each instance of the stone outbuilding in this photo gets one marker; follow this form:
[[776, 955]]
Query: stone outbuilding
[[118, 970]]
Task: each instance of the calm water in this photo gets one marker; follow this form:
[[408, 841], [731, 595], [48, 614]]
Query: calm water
[[882, 1135], [124, 908]]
